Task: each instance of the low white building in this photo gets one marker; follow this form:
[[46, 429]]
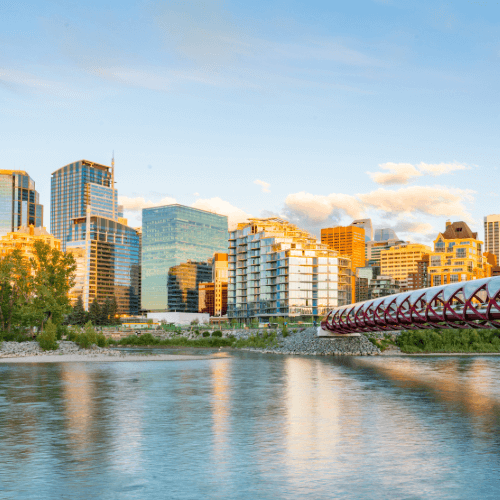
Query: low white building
[[179, 318]]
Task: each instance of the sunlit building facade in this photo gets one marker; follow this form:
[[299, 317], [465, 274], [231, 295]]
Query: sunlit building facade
[[349, 241], [277, 269], [86, 217], [19, 202], [492, 235], [401, 260], [457, 256], [213, 295], [171, 235], [24, 239]]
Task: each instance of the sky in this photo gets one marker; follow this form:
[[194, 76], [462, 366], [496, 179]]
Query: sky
[[316, 112]]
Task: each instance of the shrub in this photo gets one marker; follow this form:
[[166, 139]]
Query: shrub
[[284, 331], [47, 339], [217, 333], [88, 336], [72, 334], [61, 330], [195, 322], [101, 340], [206, 334]]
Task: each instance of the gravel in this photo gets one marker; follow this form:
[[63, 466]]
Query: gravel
[[23, 349], [306, 342]]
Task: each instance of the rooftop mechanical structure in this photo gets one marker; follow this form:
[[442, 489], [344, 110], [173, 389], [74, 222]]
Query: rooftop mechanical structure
[[467, 304]]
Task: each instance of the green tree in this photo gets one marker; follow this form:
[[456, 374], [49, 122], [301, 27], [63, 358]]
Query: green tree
[[106, 312], [113, 311], [16, 284], [79, 315], [95, 314], [53, 277]]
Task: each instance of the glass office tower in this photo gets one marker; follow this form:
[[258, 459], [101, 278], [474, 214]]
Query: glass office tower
[[171, 235], [75, 187], [86, 217], [19, 202]]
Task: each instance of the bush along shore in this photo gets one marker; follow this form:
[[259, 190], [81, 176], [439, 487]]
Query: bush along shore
[[448, 340]]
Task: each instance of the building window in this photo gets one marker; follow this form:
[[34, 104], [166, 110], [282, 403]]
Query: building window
[[461, 253], [435, 260], [453, 278], [436, 281]]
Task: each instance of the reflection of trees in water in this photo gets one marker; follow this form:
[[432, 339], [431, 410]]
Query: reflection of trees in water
[[54, 406]]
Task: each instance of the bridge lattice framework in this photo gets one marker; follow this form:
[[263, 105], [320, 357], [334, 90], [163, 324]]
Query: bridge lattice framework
[[468, 304]]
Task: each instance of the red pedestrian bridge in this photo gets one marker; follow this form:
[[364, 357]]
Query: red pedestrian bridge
[[468, 304]]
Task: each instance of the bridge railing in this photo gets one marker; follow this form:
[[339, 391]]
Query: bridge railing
[[468, 304]]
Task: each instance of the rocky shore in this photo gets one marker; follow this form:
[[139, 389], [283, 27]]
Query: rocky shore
[[23, 349], [306, 342]]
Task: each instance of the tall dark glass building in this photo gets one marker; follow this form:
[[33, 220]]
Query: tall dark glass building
[[19, 202], [172, 235], [86, 217]]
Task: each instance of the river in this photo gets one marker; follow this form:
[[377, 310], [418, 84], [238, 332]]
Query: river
[[252, 426]]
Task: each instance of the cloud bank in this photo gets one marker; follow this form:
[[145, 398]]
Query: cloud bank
[[403, 173]]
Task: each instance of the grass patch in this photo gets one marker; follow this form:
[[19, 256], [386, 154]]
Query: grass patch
[[468, 340], [382, 343], [149, 340], [257, 341]]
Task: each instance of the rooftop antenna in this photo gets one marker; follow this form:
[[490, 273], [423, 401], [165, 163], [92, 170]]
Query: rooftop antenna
[[113, 181]]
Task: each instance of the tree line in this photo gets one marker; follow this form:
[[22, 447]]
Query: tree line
[[35, 290]]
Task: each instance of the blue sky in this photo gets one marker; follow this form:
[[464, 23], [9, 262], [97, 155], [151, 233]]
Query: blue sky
[[315, 111]]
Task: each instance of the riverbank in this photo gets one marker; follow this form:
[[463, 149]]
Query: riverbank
[[70, 352]]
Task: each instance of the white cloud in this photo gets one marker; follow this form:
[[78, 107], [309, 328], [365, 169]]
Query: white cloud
[[318, 208], [313, 212], [264, 185], [138, 203], [403, 173], [430, 200], [436, 169], [219, 206], [398, 173]]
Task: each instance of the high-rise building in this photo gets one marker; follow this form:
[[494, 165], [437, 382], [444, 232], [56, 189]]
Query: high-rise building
[[213, 295], [19, 202], [492, 235], [277, 269], [385, 234], [24, 239], [183, 282], [86, 218], [364, 277], [457, 256], [375, 248], [77, 189], [349, 241], [171, 235], [382, 286], [366, 224], [420, 278], [401, 260]]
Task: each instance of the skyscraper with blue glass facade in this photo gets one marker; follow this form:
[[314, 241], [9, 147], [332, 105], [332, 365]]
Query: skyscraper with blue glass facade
[[19, 202], [86, 217], [172, 235]]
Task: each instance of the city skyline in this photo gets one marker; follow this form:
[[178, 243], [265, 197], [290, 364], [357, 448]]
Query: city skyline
[[263, 110]]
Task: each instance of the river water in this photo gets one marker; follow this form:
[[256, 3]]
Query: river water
[[252, 426]]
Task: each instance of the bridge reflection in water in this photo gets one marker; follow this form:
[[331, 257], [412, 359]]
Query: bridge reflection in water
[[468, 304]]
